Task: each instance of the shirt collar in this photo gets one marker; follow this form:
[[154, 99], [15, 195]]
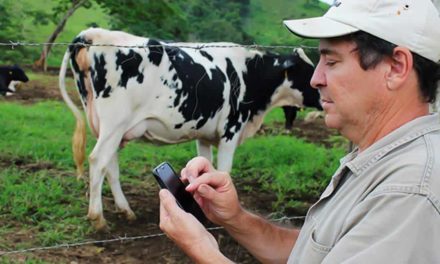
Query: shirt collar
[[410, 131]]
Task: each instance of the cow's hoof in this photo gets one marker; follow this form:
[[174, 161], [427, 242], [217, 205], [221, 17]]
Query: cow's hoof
[[101, 225], [130, 216], [98, 222], [127, 212]]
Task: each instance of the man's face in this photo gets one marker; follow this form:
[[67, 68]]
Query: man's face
[[352, 98]]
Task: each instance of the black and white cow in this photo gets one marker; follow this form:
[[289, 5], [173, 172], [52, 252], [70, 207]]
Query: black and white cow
[[170, 93], [10, 76]]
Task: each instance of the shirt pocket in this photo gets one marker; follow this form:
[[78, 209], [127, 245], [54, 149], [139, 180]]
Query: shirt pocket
[[314, 252]]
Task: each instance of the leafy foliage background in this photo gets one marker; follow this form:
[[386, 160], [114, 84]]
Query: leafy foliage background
[[239, 21]]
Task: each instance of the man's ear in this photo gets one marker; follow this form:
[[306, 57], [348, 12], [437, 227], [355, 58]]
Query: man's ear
[[401, 65]]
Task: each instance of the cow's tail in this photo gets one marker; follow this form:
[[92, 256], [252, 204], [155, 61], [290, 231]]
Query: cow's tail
[[79, 137]]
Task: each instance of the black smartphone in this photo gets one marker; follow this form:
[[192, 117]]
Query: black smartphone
[[167, 178]]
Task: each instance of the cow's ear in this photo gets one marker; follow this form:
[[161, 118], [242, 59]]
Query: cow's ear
[[287, 64]]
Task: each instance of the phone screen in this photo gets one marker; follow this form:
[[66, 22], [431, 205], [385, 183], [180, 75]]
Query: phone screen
[[167, 178]]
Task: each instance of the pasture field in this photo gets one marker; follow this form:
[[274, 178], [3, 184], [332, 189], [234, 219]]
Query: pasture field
[[278, 173]]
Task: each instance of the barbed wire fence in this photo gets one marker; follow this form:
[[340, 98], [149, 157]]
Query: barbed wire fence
[[15, 44], [121, 239]]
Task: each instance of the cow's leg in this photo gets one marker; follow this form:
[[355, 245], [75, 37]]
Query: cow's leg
[[225, 154], [100, 157], [115, 185], [204, 149], [290, 115]]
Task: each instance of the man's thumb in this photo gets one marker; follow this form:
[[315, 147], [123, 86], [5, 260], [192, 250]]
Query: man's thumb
[[168, 200]]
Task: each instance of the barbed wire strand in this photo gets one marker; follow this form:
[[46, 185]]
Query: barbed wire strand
[[119, 239], [13, 44]]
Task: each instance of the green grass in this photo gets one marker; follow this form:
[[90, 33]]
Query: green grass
[[49, 202], [288, 167], [43, 201], [39, 131]]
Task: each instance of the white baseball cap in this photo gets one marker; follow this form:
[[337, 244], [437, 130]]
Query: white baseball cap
[[414, 24]]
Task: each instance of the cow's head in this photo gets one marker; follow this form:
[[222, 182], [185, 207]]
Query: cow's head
[[13, 76], [299, 70]]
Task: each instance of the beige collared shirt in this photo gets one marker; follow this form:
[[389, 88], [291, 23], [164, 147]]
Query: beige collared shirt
[[381, 206]]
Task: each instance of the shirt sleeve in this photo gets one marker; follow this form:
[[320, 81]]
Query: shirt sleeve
[[392, 227]]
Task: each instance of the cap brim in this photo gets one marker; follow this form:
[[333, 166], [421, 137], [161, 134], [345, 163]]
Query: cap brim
[[318, 27]]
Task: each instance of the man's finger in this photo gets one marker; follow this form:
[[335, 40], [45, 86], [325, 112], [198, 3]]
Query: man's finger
[[185, 175], [195, 167], [215, 180]]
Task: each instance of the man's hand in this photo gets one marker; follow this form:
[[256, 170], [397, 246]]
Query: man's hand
[[188, 233], [213, 190], [216, 194]]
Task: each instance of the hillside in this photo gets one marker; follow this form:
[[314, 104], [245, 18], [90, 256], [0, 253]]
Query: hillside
[[266, 17]]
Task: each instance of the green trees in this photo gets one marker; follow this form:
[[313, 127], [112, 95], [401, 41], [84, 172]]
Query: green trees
[[11, 28], [216, 20], [158, 18], [65, 9], [180, 20]]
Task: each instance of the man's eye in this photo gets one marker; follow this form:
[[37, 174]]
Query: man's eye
[[330, 63]]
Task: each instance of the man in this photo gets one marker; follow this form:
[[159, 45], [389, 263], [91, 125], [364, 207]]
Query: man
[[377, 74]]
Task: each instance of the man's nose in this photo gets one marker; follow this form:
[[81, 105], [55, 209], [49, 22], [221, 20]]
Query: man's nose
[[318, 79]]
